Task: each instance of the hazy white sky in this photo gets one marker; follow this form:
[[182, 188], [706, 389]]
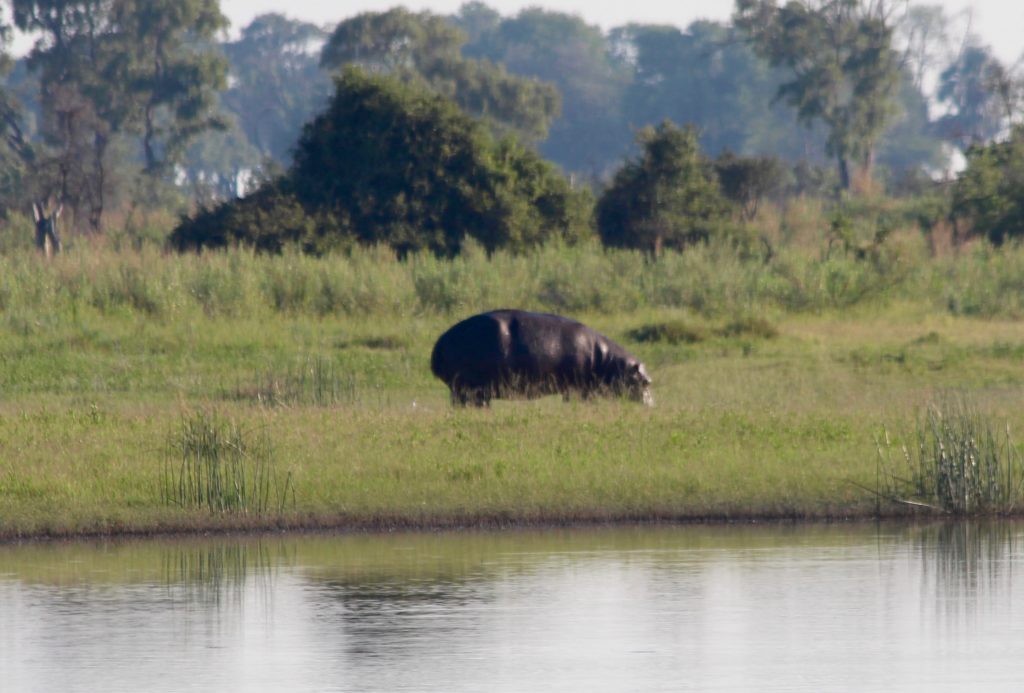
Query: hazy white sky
[[998, 22]]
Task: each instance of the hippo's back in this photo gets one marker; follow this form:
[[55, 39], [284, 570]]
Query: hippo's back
[[470, 350], [486, 346]]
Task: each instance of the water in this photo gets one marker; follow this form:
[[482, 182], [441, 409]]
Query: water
[[775, 608]]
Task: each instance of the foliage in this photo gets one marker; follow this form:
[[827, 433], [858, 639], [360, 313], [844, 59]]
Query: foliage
[[270, 219], [747, 181], [989, 194], [125, 85], [959, 464], [845, 71], [562, 49], [276, 83], [15, 150], [387, 163], [219, 164], [970, 88], [700, 75], [119, 70], [426, 48], [668, 197]]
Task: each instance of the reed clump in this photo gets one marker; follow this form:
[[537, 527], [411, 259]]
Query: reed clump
[[958, 463], [215, 464]]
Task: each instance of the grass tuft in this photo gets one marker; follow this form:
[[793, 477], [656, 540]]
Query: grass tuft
[[959, 464], [217, 465]]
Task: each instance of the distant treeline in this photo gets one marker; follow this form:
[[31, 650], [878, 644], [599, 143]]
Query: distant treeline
[[127, 107]]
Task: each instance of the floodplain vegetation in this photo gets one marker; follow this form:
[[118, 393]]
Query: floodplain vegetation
[[143, 391]]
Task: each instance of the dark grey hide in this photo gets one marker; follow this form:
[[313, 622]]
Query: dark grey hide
[[514, 353]]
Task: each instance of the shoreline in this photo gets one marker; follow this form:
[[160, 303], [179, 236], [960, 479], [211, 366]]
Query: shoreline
[[387, 525]]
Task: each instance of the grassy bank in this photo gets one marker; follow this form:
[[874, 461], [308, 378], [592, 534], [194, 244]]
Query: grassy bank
[[106, 356]]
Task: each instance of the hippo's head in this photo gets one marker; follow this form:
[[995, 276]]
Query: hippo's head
[[638, 383]]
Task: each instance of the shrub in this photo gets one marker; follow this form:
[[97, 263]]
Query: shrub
[[669, 197], [390, 163], [989, 195]]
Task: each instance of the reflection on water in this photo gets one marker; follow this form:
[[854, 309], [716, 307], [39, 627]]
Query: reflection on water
[[814, 608]]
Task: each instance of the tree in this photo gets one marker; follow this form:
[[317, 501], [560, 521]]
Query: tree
[[277, 84], [391, 163], [970, 87], [845, 70], [989, 195], [171, 80], [747, 180], [667, 197], [701, 75], [218, 165], [923, 33], [15, 150], [590, 136], [113, 71], [910, 144], [427, 48], [476, 19]]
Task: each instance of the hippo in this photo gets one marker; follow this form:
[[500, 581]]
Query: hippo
[[514, 353]]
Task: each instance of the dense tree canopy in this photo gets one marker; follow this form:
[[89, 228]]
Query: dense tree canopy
[[969, 87], [668, 197], [118, 70], [389, 163], [15, 150], [428, 48], [988, 198], [590, 136], [845, 72], [276, 83]]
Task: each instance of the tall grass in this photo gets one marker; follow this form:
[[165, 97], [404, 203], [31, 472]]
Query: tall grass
[[714, 280], [217, 465], [959, 464]]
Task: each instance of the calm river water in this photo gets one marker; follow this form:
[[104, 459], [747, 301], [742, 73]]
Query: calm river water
[[749, 608]]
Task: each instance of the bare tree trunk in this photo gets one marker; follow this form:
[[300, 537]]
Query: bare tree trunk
[[98, 183]]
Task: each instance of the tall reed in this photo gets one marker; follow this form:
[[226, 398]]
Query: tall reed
[[714, 280], [217, 465], [958, 465]]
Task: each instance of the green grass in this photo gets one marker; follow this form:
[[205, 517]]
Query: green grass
[[771, 414]]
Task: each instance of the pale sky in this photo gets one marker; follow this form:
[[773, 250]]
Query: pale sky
[[999, 23]]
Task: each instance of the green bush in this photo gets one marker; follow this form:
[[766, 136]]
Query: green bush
[[668, 197], [989, 195], [387, 163]]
